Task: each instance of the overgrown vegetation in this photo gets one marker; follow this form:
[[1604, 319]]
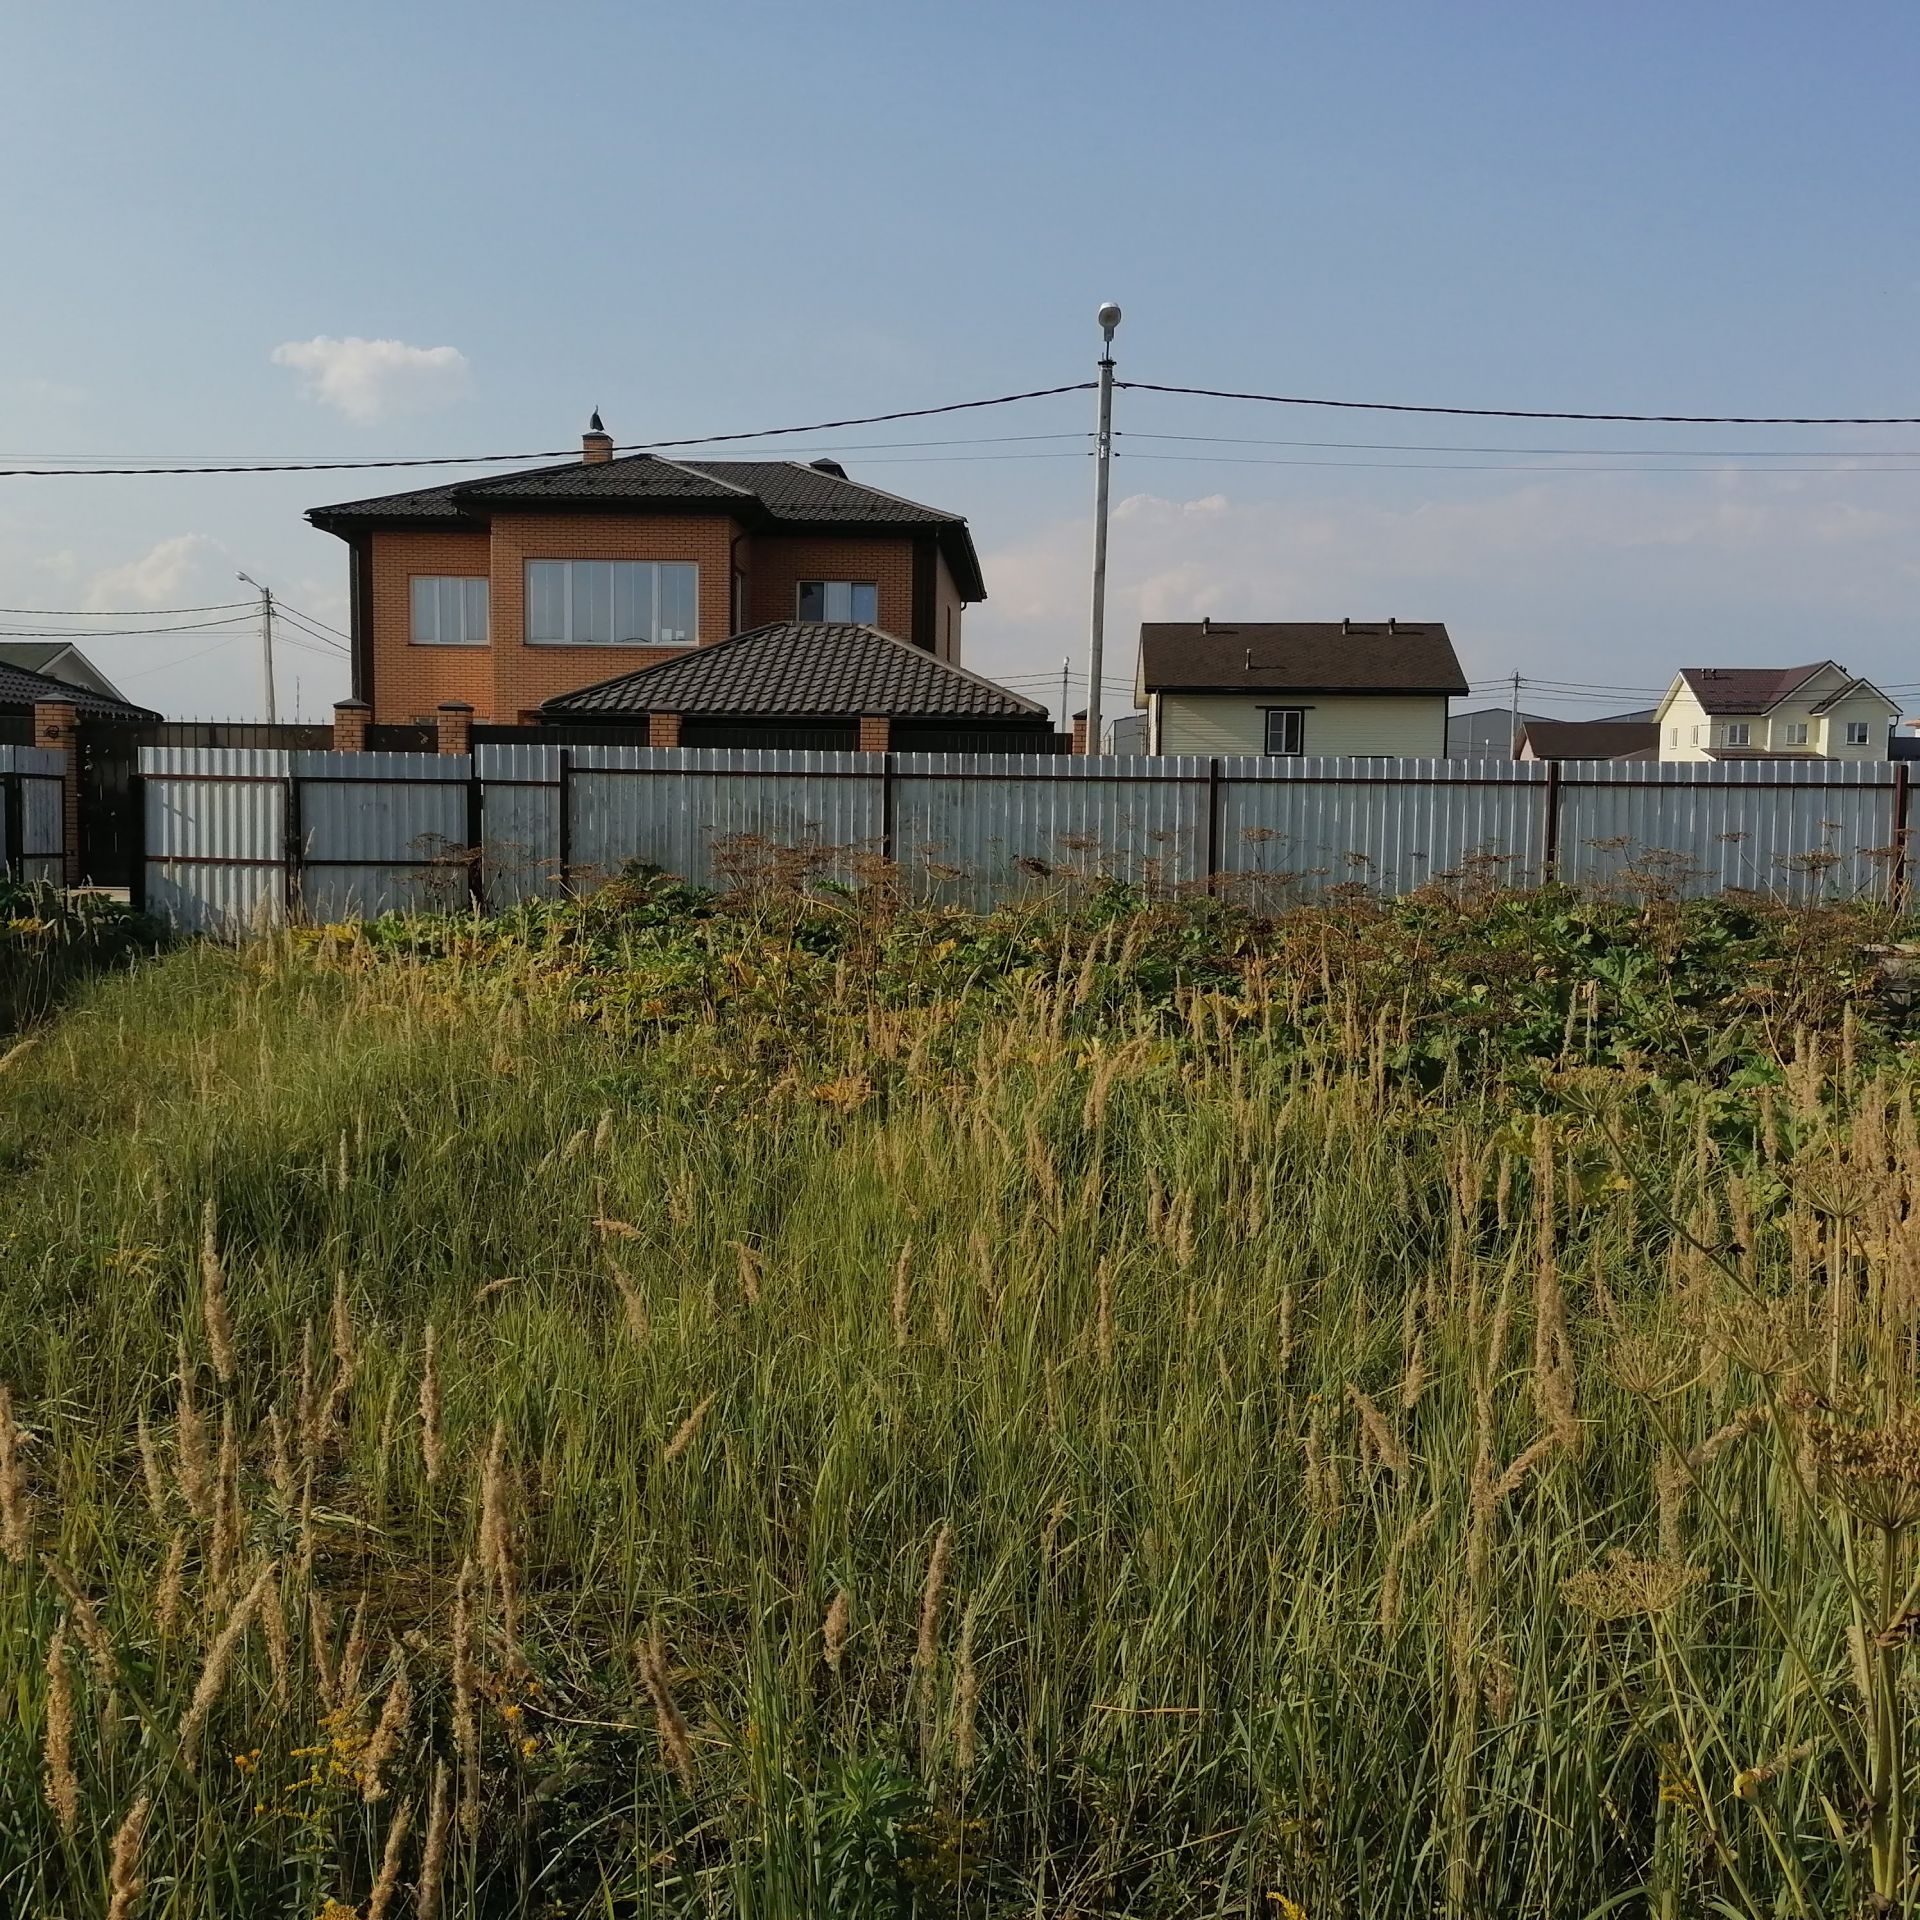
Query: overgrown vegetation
[[659, 1406], [50, 940]]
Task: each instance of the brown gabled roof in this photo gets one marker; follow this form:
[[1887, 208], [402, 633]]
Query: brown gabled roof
[[788, 496], [1593, 739], [796, 669], [1298, 656], [1746, 689]]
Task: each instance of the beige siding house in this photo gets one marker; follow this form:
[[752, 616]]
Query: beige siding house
[[1344, 687], [1819, 712]]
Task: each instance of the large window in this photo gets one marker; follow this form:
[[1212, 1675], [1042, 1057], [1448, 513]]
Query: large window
[[612, 603], [1286, 728], [449, 611], [855, 600], [1793, 733], [1739, 733], [1856, 733]]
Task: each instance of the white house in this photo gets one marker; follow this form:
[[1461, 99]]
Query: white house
[[1297, 687], [1821, 712]]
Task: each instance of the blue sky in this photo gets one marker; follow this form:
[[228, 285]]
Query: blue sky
[[744, 214]]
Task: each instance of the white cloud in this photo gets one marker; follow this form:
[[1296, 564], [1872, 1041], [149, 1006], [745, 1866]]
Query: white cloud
[[189, 566], [369, 379], [1600, 579]]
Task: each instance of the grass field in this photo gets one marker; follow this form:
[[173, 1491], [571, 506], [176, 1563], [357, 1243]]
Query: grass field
[[816, 1408]]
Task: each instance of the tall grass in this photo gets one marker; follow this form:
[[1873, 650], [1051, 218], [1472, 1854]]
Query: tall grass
[[1099, 1455]]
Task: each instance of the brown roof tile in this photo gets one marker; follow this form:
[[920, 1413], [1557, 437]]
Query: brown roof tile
[[1298, 656]]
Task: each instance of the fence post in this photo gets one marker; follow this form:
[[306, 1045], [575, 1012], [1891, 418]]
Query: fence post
[[137, 864], [13, 796], [886, 807], [476, 837], [293, 852], [1550, 852], [566, 818], [1902, 787], [1213, 819]]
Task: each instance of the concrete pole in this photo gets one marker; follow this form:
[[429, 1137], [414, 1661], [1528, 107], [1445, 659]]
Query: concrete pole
[[1109, 318]]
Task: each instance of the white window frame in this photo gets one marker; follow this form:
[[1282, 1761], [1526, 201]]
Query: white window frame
[[1857, 733], [465, 604], [1793, 733], [571, 562], [1738, 733], [826, 588], [1298, 717]]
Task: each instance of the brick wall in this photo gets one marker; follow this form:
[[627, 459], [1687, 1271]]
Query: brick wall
[[523, 676], [777, 563], [410, 680]]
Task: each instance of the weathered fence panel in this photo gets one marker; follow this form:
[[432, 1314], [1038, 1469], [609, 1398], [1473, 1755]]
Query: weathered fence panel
[[217, 821], [1290, 829], [1798, 830], [235, 835], [32, 813], [380, 832]]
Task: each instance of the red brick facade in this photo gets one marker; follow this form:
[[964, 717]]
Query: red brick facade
[[506, 681], [56, 727]]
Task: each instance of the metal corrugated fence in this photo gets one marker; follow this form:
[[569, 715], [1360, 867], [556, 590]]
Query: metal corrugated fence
[[234, 835], [32, 813]]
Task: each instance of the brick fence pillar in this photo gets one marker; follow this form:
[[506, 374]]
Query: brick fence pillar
[[350, 719], [876, 733], [663, 729], [454, 727], [1079, 733], [56, 726]]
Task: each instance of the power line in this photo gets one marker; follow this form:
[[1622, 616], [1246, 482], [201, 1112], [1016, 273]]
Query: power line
[[1421, 446], [1538, 413], [121, 613], [111, 633], [556, 453], [1486, 466]]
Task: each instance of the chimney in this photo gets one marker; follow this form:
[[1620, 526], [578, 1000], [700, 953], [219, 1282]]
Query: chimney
[[1206, 624], [1346, 625], [832, 468], [1393, 625], [596, 444]]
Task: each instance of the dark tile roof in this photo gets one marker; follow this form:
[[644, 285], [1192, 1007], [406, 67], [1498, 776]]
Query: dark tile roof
[[796, 669], [768, 494], [1746, 689], [21, 689], [1593, 739], [1298, 656], [59, 660]]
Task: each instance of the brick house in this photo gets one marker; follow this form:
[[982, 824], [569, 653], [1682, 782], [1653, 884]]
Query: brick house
[[508, 591]]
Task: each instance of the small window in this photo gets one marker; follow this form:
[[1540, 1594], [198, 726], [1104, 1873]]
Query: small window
[[1673, 736], [1696, 736], [449, 611], [844, 600], [612, 603], [1286, 727], [1856, 733], [1793, 733], [1739, 733]]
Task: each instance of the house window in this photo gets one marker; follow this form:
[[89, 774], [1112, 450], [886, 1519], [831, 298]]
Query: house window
[[449, 611], [1856, 733], [1673, 736], [612, 603], [1286, 727], [855, 600], [1739, 733], [1793, 733], [1696, 736]]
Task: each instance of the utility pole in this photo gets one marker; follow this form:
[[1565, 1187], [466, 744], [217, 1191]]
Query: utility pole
[[266, 638], [1066, 668], [1513, 744], [1109, 318]]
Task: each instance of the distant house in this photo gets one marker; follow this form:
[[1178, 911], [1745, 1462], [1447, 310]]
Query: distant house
[[1626, 739], [1818, 712], [812, 684], [58, 660], [507, 591], [1487, 733], [21, 690], [1297, 686]]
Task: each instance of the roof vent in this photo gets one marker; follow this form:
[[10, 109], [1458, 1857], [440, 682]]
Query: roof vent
[[1393, 625], [596, 443], [1346, 625], [830, 467], [1206, 624]]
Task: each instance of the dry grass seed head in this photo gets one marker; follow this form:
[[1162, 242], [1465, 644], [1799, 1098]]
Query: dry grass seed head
[[687, 1432], [125, 1882], [675, 1741], [213, 1297], [214, 1673], [16, 1502], [433, 1851], [833, 1636], [62, 1788], [380, 1900]]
